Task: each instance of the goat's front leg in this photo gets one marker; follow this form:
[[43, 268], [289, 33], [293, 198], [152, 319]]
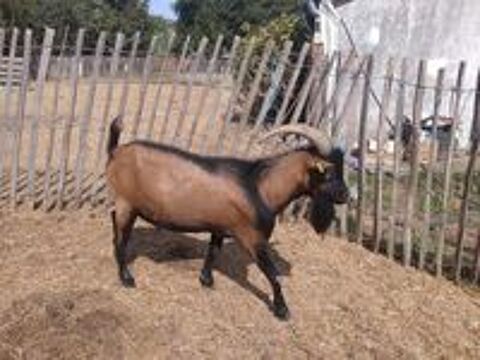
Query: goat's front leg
[[214, 247], [266, 265]]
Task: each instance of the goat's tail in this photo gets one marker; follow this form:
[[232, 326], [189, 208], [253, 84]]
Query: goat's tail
[[116, 128]]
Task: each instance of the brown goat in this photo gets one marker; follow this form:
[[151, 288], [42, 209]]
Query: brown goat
[[228, 197]]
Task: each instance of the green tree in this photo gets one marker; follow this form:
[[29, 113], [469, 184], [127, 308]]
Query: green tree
[[233, 17], [127, 16]]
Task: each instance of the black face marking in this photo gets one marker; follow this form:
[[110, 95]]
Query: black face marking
[[322, 212]]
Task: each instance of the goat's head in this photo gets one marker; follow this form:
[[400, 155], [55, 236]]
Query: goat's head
[[324, 179]]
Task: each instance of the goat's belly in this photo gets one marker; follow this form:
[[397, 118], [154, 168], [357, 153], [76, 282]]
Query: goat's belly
[[190, 216], [182, 225]]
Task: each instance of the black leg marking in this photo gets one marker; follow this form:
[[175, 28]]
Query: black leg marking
[[214, 247], [267, 266], [122, 231]]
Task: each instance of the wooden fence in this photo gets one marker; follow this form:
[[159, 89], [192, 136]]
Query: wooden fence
[[414, 203]]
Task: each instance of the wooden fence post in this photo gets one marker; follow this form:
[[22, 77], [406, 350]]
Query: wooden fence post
[[378, 216], [475, 139], [7, 120], [186, 100], [253, 93], [410, 208], [173, 90], [214, 113], [272, 92], [82, 152], [432, 164], [225, 125], [147, 69], [362, 143], [397, 149], [41, 76], [205, 90], [2, 43], [128, 74], [101, 151], [68, 124], [291, 84], [476, 275], [160, 86], [328, 104], [52, 123], [448, 168], [21, 107]]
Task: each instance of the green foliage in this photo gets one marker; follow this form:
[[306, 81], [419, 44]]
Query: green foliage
[[127, 16], [198, 18]]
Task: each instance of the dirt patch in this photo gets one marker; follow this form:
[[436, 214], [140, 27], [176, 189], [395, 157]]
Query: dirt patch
[[61, 298]]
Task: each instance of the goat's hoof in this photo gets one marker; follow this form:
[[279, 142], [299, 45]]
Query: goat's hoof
[[281, 312], [128, 281], [206, 280]]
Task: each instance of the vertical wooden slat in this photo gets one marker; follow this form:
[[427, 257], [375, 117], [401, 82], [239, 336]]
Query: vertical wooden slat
[[476, 275], [186, 99], [128, 74], [448, 168], [173, 90], [271, 92], [347, 104], [399, 116], [160, 86], [467, 184], [433, 152], [7, 119], [378, 214], [362, 143], [41, 76], [68, 123], [338, 134], [147, 69], [343, 75], [100, 151], [253, 93], [410, 206], [208, 129], [86, 118], [307, 89], [53, 120], [317, 96], [291, 84], [205, 90], [21, 106], [225, 125], [2, 43]]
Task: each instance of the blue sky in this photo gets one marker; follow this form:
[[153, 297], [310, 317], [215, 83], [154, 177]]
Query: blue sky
[[162, 7]]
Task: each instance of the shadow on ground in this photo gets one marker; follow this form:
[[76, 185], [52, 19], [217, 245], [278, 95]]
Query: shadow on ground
[[167, 247]]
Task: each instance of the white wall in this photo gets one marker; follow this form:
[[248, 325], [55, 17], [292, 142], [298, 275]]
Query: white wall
[[442, 31]]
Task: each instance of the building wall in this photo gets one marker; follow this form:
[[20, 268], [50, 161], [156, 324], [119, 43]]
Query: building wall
[[443, 32]]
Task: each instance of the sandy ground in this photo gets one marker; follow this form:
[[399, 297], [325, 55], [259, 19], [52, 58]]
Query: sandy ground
[[61, 299]]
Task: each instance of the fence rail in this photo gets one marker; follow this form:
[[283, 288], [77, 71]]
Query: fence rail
[[417, 187]]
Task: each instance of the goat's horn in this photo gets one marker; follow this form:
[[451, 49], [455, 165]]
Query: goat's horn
[[316, 137]]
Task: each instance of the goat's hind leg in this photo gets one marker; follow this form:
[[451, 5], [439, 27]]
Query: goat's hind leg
[[214, 247], [122, 220]]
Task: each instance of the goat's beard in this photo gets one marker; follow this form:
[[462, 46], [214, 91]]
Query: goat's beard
[[322, 212]]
